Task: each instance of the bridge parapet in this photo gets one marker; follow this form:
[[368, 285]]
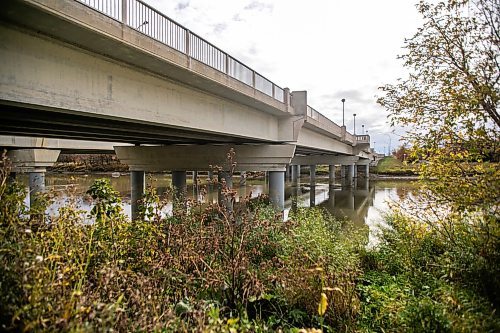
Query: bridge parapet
[[362, 138], [323, 122], [150, 22]]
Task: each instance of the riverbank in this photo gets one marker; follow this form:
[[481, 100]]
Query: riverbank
[[391, 166], [206, 270]]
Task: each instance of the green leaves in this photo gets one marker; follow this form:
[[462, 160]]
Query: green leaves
[[106, 200]]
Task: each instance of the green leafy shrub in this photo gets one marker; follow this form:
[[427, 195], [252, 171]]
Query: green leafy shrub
[[429, 279]]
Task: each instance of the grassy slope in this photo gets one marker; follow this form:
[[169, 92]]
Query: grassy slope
[[392, 166]]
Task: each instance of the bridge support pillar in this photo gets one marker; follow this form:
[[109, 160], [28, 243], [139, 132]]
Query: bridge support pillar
[[137, 188], [34, 162], [355, 171], [195, 185], [243, 178], [331, 175], [199, 157], [36, 183], [350, 174], [367, 171], [11, 178], [331, 196], [312, 174], [179, 185], [295, 174], [312, 182], [179, 188], [277, 189], [243, 184], [210, 195]]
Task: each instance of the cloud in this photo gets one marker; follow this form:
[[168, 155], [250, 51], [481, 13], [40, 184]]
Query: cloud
[[219, 27], [237, 18], [182, 5], [259, 6], [351, 95]]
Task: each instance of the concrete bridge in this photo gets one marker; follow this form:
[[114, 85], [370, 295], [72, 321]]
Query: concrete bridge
[[120, 71]]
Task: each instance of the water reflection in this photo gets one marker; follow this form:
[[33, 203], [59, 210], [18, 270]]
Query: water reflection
[[342, 200], [363, 202]]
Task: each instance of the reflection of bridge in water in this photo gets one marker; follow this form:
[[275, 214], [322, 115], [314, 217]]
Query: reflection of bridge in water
[[341, 200]]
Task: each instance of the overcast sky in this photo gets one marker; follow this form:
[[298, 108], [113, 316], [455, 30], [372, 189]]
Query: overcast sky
[[334, 49]]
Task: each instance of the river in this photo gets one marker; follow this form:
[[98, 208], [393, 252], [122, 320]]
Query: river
[[365, 203]]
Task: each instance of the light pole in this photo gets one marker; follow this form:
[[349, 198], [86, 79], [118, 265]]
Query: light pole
[[354, 123], [389, 150], [343, 101], [363, 129]]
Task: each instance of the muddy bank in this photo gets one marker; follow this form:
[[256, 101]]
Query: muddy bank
[[82, 163]]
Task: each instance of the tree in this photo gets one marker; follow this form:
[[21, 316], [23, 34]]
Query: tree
[[449, 101], [449, 105], [401, 153]]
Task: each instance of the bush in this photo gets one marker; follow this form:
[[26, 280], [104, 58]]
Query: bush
[[430, 279], [203, 268]]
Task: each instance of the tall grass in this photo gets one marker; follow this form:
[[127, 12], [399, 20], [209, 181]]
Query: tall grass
[[200, 269]]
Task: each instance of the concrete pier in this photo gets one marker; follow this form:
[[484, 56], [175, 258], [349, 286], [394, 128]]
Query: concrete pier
[[34, 162], [196, 189], [137, 188], [312, 183], [36, 183], [312, 174], [179, 184], [331, 175], [277, 189], [295, 174], [11, 178], [350, 174]]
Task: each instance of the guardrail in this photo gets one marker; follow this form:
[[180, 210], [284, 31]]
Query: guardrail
[[363, 138], [325, 122], [147, 20]]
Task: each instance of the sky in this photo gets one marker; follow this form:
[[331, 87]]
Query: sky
[[333, 49]]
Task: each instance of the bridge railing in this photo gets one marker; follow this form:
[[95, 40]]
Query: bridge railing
[[324, 121], [147, 20], [363, 138]]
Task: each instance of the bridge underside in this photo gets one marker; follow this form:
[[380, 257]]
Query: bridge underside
[[30, 120]]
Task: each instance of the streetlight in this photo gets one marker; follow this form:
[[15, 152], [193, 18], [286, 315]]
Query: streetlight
[[343, 101], [389, 151], [354, 123], [363, 129]]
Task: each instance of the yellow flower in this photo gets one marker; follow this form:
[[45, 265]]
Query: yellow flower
[[323, 303]]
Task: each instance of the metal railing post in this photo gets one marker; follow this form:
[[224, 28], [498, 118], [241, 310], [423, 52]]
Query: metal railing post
[[187, 43], [124, 12]]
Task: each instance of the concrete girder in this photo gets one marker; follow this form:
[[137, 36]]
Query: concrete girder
[[363, 161], [62, 144], [312, 139], [202, 157], [116, 92], [324, 160], [31, 160], [80, 25]]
